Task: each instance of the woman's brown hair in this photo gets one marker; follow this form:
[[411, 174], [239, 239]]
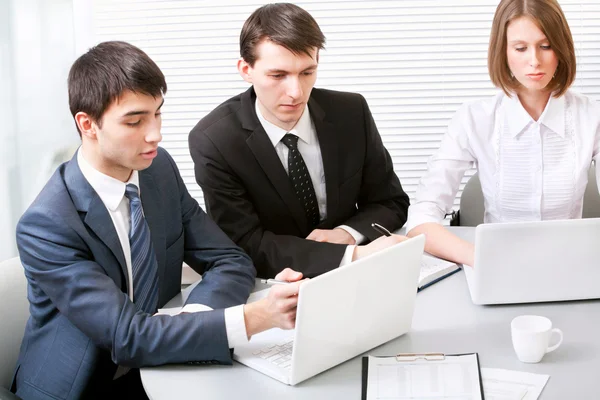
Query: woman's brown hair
[[549, 17]]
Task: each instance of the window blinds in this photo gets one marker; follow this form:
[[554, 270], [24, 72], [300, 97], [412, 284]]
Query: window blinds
[[414, 61]]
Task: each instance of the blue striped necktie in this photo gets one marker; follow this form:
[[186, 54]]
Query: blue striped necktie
[[143, 259]]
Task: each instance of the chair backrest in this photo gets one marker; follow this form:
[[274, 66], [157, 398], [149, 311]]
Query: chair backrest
[[591, 197], [472, 206], [471, 203], [13, 316]]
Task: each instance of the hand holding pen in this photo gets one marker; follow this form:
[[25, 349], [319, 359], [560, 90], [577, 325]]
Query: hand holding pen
[[278, 308]]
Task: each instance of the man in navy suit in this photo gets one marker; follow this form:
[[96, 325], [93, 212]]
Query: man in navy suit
[[103, 245]]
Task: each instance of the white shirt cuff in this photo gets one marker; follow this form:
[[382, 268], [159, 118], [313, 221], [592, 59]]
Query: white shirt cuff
[[235, 325], [347, 259], [192, 308], [358, 237]]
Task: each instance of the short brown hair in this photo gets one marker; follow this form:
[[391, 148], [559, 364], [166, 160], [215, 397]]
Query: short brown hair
[[284, 24], [549, 17], [102, 74]]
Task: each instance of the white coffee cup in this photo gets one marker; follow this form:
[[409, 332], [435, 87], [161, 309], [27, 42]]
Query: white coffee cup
[[531, 337]]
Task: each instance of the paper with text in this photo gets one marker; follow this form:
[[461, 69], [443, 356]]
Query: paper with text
[[455, 377], [502, 384]]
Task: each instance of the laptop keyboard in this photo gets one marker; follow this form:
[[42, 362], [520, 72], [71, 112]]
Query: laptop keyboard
[[279, 354]]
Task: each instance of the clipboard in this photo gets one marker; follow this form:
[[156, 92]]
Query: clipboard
[[402, 358]]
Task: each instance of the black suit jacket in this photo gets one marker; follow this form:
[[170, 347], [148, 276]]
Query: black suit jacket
[[249, 195]]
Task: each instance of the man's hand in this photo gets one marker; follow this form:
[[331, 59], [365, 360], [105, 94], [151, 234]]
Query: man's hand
[[337, 235], [376, 245], [289, 275], [278, 309]]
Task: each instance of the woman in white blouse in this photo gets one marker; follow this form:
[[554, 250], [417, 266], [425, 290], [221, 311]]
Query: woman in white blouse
[[532, 144]]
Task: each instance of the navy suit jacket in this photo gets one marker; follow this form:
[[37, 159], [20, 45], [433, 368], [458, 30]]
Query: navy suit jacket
[[82, 322]]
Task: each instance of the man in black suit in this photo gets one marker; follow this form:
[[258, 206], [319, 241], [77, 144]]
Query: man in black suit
[[295, 175]]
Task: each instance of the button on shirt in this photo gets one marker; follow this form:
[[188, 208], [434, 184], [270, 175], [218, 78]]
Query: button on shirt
[[308, 146], [529, 170], [112, 193]]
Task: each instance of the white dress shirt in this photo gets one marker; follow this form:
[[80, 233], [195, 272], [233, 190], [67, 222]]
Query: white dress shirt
[[309, 148], [112, 193], [529, 170]]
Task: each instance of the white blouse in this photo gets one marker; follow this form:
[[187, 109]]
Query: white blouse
[[529, 170]]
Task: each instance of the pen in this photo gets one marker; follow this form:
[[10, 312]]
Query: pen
[[274, 282], [380, 229]]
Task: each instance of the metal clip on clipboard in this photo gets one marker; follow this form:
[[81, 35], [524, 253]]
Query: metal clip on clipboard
[[420, 356]]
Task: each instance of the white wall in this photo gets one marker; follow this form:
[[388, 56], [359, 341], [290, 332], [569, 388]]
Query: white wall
[[7, 137], [43, 50], [37, 50]]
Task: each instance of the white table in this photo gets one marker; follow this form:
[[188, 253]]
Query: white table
[[446, 321]]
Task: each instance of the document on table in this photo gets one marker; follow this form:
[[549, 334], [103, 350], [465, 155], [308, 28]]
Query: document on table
[[502, 384], [453, 377]]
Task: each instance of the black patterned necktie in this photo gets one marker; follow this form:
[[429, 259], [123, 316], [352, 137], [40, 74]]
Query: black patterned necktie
[[144, 267], [301, 181]]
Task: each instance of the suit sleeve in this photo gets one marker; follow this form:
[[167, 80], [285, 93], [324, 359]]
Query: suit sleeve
[[381, 198], [62, 272], [228, 203], [58, 266], [227, 272]]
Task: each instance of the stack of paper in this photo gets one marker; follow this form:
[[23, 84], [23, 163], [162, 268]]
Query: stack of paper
[[502, 384]]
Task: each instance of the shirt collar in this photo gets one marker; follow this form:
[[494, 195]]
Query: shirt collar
[[110, 190], [275, 133], [553, 116]]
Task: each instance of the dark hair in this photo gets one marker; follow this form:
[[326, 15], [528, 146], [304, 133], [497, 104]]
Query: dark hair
[[549, 17], [284, 24], [101, 75]]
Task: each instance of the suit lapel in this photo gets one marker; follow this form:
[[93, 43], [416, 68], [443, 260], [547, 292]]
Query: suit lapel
[[155, 219], [265, 154], [329, 153], [97, 218]]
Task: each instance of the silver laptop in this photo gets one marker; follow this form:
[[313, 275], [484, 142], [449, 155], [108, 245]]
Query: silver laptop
[[341, 314], [525, 262]]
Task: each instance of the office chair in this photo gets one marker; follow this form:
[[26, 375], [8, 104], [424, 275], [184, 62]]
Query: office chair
[[472, 208], [471, 204], [591, 197], [13, 314]]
